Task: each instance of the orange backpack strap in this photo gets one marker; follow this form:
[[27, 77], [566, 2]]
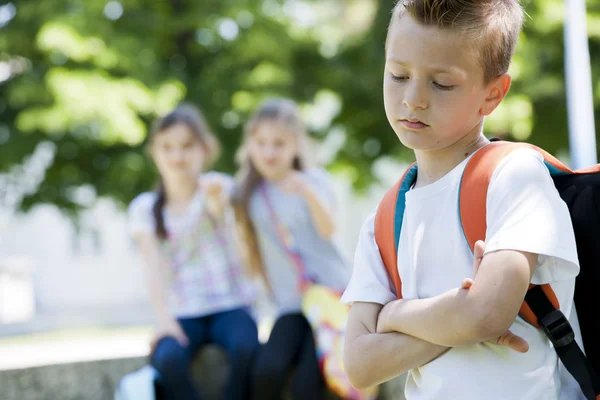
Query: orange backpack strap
[[473, 198], [388, 222]]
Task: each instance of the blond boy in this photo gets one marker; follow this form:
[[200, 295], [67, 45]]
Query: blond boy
[[446, 69]]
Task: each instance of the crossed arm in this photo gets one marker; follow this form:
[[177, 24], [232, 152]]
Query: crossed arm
[[371, 358], [384, 342]]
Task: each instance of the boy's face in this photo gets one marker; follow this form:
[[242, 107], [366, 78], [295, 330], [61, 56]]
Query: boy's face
[[434, 92]]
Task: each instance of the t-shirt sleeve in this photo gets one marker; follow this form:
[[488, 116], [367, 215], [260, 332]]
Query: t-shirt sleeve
[[525, 213], [369, 282], [322, 184], [139, 214]]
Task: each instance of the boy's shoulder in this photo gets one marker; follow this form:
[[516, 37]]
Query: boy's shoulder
[[519, 169], [522, 160]]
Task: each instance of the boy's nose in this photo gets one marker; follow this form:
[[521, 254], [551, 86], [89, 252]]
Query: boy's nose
[[415, 98]]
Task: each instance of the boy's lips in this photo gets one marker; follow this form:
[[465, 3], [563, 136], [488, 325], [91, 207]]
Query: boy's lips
[[413, 124]]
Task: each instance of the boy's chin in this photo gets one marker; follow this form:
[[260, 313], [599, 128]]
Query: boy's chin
[[414, 141], [417, 141]]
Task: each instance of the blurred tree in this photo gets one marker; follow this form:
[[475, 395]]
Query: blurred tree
[[89, 76]]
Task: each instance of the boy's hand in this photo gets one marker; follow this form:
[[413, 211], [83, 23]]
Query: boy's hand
[[385, 314], [477, 257], [509, 339]]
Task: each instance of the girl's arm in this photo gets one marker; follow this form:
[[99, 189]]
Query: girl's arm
[[155, 263], [322, 215], [218, 189]]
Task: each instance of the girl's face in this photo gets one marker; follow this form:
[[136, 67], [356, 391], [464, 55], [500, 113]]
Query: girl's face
[[272, 149], [178, 153]]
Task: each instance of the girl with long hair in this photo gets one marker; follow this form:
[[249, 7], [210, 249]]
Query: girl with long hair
[[196, 282]]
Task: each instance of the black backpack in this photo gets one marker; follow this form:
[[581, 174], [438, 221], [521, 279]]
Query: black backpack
[[581, 193]]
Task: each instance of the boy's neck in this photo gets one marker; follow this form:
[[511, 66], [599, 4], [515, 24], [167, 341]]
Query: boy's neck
[[434, 165]]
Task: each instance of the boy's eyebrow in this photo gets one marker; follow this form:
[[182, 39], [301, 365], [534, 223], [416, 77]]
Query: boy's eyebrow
[[433, 68]]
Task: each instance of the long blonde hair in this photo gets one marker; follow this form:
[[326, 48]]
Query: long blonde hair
[[284, 112]]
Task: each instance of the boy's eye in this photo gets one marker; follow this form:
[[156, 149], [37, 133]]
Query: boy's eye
[[443, 87], [398, 78]]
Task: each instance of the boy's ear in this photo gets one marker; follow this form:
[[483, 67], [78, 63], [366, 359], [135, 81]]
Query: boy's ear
[[496, 90]]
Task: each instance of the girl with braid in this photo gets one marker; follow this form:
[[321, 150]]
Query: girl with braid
[[196, 283]]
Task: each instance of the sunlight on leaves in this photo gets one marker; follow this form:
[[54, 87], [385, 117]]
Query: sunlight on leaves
[[85, 96], [55, 37]]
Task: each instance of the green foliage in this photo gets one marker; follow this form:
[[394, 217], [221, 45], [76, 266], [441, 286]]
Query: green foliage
[[91, 75]]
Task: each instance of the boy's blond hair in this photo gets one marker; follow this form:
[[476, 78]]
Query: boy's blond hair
[[494, 25]]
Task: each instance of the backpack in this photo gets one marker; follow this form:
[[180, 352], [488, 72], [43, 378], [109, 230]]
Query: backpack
[[580, 190]]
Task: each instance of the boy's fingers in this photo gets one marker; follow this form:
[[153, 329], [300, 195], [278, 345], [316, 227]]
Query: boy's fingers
[[478, 251], [513, 341]]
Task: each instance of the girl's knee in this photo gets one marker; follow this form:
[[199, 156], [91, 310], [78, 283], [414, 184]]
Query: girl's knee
[[306, 390], [268, 370], [243, 349], [170, 357], [307, 386], [243, 342], [244, 321]]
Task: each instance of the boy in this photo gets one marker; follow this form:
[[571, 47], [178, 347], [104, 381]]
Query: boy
[[446, 69]]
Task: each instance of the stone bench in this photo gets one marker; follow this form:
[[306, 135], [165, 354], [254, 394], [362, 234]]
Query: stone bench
[[97, 380]]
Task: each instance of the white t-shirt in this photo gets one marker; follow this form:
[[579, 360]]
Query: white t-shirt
[[204, 273], [524, 212]]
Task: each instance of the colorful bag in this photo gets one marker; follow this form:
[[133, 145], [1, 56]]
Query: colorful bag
[[327, 316]]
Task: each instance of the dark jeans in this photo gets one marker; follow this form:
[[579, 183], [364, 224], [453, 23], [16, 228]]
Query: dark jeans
[[234, 330], [289, 354]]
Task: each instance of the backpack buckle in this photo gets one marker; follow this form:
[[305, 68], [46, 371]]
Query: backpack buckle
[[558, 329]]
